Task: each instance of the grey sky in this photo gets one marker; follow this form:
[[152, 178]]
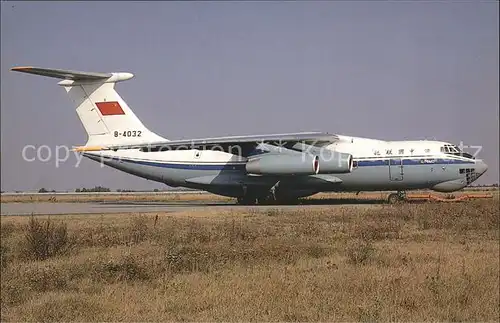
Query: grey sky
[[387, 70]]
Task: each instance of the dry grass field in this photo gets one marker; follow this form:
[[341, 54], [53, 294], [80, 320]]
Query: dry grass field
[[407, 262]]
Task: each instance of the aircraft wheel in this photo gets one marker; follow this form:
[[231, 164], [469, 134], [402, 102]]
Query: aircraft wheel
[[246, 200], [394, 198], [287, 201], [263, 201]]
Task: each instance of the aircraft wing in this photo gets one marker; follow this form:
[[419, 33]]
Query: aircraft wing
[[248, 143]]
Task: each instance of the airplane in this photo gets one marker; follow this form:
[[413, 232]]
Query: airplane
[[275, 168]]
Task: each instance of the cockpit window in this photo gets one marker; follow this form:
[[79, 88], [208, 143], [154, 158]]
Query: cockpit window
[[455, 150]]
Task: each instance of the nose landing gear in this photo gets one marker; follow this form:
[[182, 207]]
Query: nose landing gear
[[398, 197]]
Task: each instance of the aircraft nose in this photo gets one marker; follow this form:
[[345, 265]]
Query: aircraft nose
[[481, 167]]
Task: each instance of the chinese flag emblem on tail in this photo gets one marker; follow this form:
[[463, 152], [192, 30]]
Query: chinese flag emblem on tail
[[110, 108]]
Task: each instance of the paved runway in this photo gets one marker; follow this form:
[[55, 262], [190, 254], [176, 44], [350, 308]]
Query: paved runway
[[42, 208], [92, 207]]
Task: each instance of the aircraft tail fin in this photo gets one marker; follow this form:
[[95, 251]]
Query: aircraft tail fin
[[106, 117]]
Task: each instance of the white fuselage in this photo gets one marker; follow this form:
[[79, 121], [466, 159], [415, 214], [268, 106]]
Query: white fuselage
[[379, 165]]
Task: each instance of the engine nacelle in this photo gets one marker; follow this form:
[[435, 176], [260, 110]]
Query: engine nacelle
[[284, 164], [332, 162]]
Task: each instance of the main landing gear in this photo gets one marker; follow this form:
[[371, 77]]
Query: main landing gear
[[398, 197], [266, 201], [270, 198], [247, 200]]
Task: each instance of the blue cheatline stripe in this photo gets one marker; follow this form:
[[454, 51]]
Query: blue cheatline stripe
[[409, 162], [187, 166], [241, 167]]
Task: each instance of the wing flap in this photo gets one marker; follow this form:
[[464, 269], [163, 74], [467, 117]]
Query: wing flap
[[62, 74]]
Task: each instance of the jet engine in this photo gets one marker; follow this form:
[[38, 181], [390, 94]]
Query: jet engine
[[332, 162], [284, 164]]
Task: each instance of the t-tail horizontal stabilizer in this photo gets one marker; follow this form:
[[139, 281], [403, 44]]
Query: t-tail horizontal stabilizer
[[75, 76], [106, 117]]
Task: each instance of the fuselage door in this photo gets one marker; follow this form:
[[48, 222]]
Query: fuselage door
[[396, 169]]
